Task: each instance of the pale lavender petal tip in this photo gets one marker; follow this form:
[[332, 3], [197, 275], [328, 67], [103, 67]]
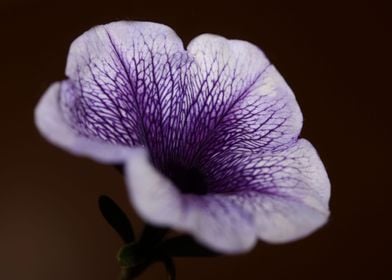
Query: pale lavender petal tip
[[52, 125], [208, 135]]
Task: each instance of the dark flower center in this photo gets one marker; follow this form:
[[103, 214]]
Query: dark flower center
[[187, 179]]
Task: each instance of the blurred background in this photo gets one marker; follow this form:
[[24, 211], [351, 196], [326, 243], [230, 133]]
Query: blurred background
[[334, 54]]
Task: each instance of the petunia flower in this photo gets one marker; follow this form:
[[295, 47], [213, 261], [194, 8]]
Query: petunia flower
[[207, 134]]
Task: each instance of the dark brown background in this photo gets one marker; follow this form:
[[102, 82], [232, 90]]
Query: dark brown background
[[336, 57]]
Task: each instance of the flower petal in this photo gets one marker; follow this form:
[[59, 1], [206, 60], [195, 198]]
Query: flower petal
[[123, 85], [124, 77], [243, 102], [213, 220], [287, 191], [299, 205], [52, 125], [281, 219]]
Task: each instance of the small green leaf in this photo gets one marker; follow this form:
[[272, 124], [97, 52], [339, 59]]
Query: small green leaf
[[132, 255], [116, 218]]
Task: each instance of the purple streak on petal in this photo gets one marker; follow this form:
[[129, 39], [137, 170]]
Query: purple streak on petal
[[297, 169], [287, 191], [243, 102], [52, 125], [214, 220], [126, 82]]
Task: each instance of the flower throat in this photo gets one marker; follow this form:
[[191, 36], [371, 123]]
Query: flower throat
[[187, 179]]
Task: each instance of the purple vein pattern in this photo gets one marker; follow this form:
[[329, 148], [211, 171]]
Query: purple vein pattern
[[208, 135]]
